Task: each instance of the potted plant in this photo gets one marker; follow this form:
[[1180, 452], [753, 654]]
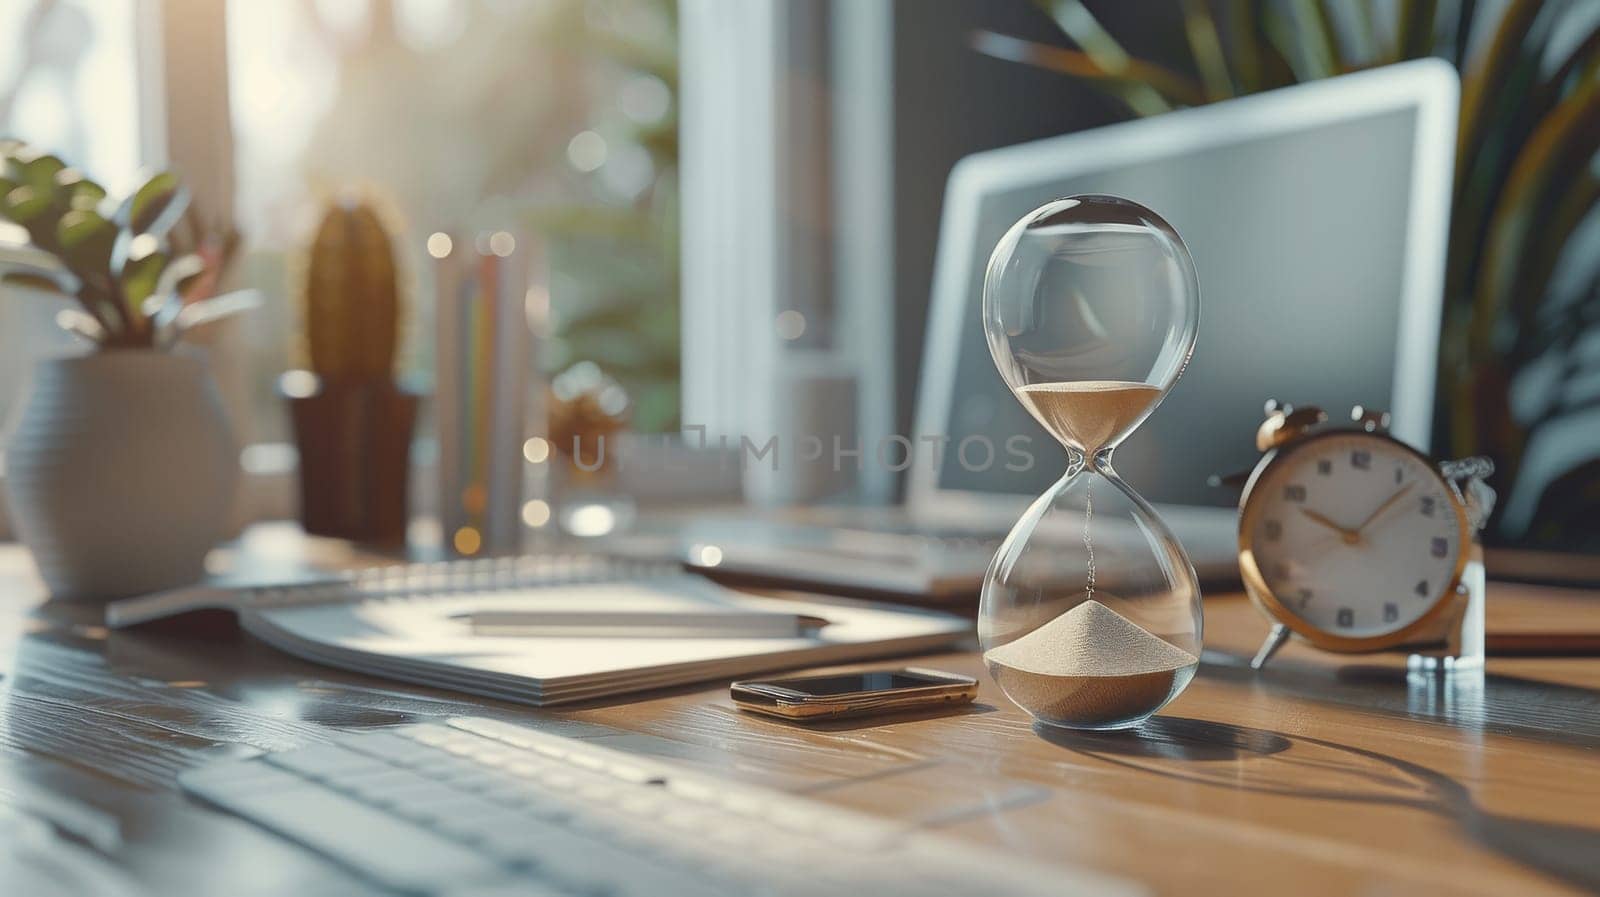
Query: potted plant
[[352, 422], [121, 467]]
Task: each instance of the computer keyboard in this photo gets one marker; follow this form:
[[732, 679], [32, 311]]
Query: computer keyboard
[[479, 807]]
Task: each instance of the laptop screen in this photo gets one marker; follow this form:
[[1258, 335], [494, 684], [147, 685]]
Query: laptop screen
[[1299, 241]]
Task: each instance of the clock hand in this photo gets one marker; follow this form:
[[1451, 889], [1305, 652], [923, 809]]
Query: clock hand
[[1387, 504], [1349, 535]]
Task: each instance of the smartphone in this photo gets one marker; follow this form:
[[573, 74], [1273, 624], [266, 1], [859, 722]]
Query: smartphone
[[853, 693]]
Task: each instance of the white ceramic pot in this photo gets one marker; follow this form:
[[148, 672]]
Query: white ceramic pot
[[120, 472]]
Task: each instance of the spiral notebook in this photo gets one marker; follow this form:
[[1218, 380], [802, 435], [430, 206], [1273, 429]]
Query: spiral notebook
[[412, 623]]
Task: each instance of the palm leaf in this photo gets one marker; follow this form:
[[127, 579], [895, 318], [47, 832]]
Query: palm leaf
[[1556, 154], [1321, 35], [1144, 93], [1560, 327], [1135, 85], [1364, 32], [1417, 18], [1206, 44], [1482, 166], [1466, 14], [1583, 56], [1247, 63], [1483, 77], [1306, 51]]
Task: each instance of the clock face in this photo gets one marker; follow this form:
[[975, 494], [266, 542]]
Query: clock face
[[1354, 534]]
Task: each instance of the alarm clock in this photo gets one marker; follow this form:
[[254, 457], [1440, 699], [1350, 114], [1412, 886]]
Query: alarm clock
[[1356, 542]]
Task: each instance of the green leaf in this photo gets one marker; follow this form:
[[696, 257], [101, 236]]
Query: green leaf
[[1140, 85], [1417, 27], [25, 203], [1480, 81], [37, 170], [1297, 35], [1554, 83], [86, 241], [1246, 53], [1206, 45], [1554, 157], [1466, 15], [217, 307], [1143, 92], [156, 206], [1319, 33], [139, 279], [81, 323], [79, 191], [33, 281], [179, 274], [1366, 46], [129, 246]]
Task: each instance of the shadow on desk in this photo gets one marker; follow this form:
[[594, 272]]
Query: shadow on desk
[[1547, 711], [1268, 762]]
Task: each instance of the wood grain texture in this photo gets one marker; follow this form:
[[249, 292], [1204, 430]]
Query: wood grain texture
[[1311, 778]]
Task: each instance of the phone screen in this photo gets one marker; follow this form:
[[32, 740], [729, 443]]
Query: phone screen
[[876, 680]]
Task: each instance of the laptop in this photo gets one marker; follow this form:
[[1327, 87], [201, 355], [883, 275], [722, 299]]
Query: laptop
[[1317, 217]]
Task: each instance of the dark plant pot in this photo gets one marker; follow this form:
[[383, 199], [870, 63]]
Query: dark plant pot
[[355, 459]]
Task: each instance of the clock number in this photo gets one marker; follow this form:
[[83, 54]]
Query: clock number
[[1422, 588], [1346, 618], [1399, 474], [1428, 505], [1439, 547], [1324, 467], [1361, 460], [1391, 612], [1305, 598], [1272, 530], [1294, 492]]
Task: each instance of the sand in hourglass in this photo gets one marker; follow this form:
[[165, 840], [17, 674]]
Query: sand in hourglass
[[1089, 413], [1091, 667]]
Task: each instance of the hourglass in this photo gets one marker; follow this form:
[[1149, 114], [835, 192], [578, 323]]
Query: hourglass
[[1090, 616]]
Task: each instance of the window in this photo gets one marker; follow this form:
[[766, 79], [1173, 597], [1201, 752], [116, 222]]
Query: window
[[67, 81], [557, 120], [552, 119]]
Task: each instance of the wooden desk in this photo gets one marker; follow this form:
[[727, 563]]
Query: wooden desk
[[1307, 779]]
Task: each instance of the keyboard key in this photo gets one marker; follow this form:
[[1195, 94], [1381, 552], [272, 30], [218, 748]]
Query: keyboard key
[[371, 785], [388, 747], [324, 761], [371, 842], [448, 810], [243, 777], [518, 888]]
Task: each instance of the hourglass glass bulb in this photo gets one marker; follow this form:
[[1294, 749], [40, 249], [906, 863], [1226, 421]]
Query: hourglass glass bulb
[[1090, 308], [1090, 616]]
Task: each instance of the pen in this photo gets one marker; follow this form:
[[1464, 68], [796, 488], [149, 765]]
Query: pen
[[642, 624]]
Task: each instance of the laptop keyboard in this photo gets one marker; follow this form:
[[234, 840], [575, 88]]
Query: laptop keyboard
[[480, 807]]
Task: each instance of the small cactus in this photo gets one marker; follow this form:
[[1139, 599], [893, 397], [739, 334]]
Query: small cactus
[[352, 301]]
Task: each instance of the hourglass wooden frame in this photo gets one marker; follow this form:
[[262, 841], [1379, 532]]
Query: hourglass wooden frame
[[1082, 285]]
